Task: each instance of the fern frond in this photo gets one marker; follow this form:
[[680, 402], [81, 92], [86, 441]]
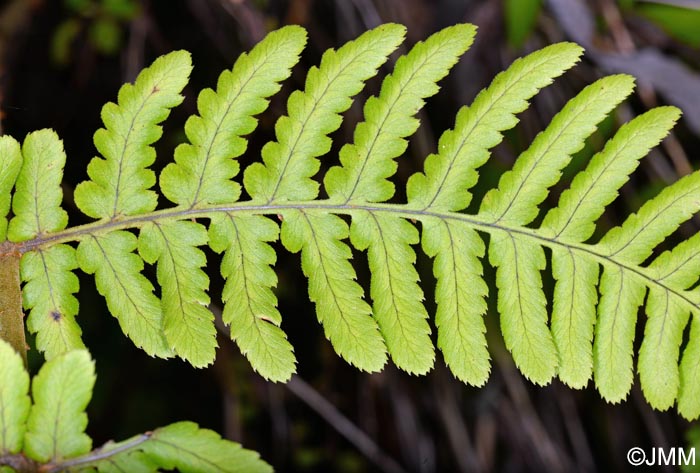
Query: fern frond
[[10, 164], [250, 306], [202, 171], [187, 323], [389, 118], [290, 161], [56, 424], [339, 304], [120, 182], [129, 294], [14, 400], [599, 286]]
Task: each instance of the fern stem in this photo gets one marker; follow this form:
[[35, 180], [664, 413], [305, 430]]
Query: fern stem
[[77, 233]]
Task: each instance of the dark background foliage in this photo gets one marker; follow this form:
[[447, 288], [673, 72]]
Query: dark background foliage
[[62, 60]]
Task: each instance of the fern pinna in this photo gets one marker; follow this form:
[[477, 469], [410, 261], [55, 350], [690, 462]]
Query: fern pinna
[[599, 285]]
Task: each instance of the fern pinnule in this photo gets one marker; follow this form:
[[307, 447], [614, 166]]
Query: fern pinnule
[[575, 295], [250, 306], [204, 168], [290, 162], [120, 182], [10, 165], [390, 118], [187, 323], [50, 282], [129, 293], [340, 307]]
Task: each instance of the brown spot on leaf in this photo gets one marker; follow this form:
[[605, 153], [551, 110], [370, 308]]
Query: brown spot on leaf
[[56, 316]]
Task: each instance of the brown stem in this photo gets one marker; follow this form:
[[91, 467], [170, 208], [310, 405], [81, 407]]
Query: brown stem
[[11, 316]]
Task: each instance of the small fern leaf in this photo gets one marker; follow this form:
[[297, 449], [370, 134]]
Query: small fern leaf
[[120, 182], [14, 399], [621, 294], [61, 392], [521, 190], [250, 306], [187, 323], [389, 118], [451, 172], [339, 304], [290, 161], [460, 294], [396, 296], [129, 294], [658, 356], [658, 368], [634, 240], [10, 164], [596, 187], [632, 243], [574, 314], [185, 447], [689, 391], [37, 199], [203, 170], [48, 293], [522, 304]]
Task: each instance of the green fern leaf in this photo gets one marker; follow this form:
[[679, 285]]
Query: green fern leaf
[[57, 421], [397, 298], [250, 306], [14, 400], [50, 282], [450, 173], [522, 305], [573, 312], [37, 199], [48, 292], [119, 183], [11, 157], [689, 390], [389, 118], [443, 186], [339, 304], [522, 189], [129, 294], [290, 162], [185, 447], [632, 242], [596, 187], [658, 368], [203, 170], [460, 291], [620, 297], [187, 323]]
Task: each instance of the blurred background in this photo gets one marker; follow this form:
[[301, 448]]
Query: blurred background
[[61, 60]]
